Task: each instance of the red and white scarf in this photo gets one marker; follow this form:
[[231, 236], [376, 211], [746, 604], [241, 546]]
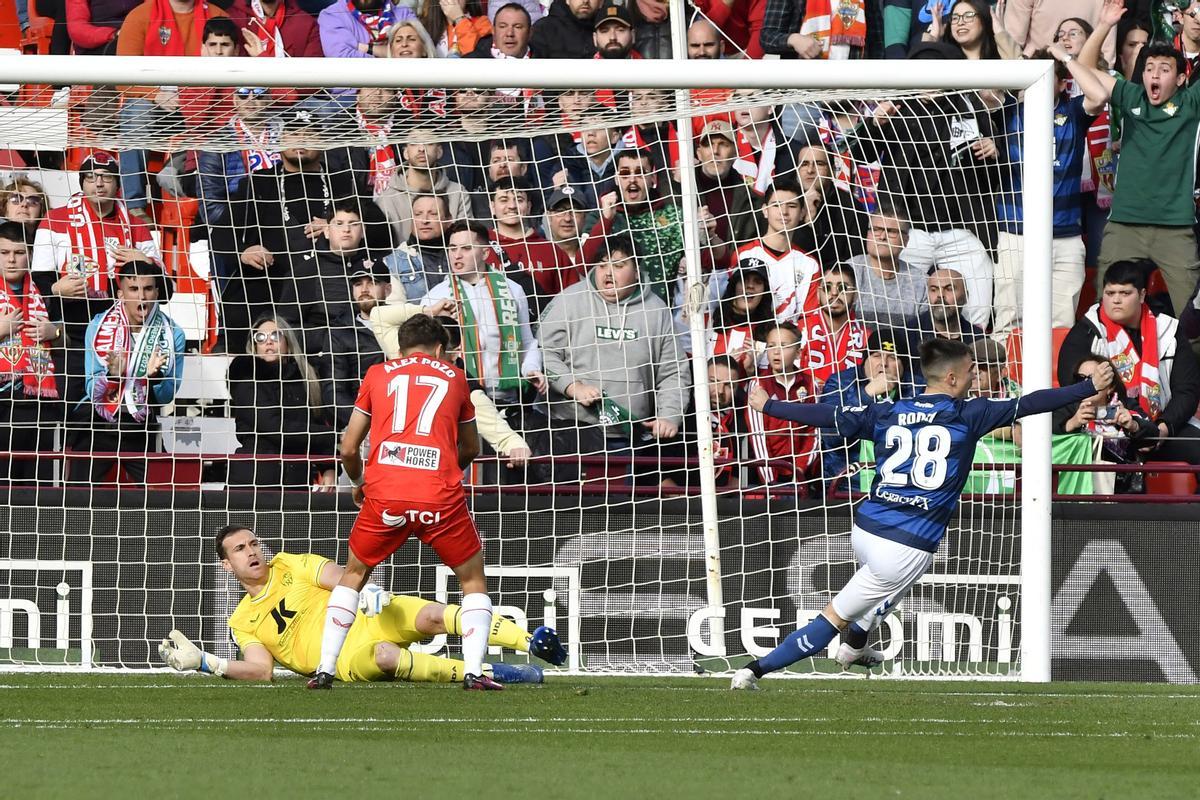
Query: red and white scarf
[[268, 28], [23, 359], [757, 166], [836, 31], [259, 151], [1138, 372], [90, 255], [383, 156], [163, 37], [131, 388]]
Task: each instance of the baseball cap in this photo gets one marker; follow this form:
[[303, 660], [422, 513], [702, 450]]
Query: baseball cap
[[718, 127], [100, 161], [751, 265], [989, 352], [565, 194], [612, 11], [367, 268]]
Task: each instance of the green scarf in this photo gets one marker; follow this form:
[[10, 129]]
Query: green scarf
[[510, 334]]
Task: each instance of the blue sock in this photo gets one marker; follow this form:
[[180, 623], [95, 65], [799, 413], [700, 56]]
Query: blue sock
[[855, 636], [812, 638]]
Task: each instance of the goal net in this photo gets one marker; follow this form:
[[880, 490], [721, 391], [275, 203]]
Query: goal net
[[620, 265]]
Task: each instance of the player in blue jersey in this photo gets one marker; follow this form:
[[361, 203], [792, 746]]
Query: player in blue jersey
[[924, 447]]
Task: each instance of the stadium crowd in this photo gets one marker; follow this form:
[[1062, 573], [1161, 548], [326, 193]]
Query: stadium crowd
[[834, 237]]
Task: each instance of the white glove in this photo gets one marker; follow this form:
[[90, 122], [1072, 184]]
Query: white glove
[[181, 654], [373, 599]]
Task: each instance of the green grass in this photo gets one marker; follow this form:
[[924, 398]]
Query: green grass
[[147, 737]]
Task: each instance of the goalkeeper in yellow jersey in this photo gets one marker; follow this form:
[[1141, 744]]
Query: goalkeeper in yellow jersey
[[281, 618]]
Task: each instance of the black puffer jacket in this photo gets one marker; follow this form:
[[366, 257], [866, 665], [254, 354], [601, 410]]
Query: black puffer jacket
[[560, 34]]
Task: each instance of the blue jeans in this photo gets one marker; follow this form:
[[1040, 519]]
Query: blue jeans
[[137, 119]]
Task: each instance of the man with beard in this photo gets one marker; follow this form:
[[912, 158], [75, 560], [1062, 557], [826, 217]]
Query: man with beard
[[276, 213], [943, 319], [565, 215], [420, 262], [832, 339], [352, 347], [421, 175], [704, 41], [518, 250], [566, 30], [723, 191], [655, 226], [613, 32], [369, 168], [889, 289]]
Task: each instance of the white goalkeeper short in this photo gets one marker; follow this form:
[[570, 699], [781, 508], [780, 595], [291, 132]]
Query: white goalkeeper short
[[886, 573]]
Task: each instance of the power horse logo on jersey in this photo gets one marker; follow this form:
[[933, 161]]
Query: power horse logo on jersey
[[410, 455]]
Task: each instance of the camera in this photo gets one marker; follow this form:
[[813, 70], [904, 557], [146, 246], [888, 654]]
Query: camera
[[1107, 413]]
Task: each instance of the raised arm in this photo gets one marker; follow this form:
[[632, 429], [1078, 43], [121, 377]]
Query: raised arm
[[1044, 400], [1096, 84], [817, 415]]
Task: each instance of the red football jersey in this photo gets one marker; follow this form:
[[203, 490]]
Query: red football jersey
[[416, 404]]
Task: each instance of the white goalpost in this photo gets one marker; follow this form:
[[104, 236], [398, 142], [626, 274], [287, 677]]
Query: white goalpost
[[641, 579]]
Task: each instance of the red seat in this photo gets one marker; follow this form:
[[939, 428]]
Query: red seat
[[1013, 348], [1179, 484]]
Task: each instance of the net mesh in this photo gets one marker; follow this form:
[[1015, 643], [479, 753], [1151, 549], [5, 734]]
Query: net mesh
[[299, 228]]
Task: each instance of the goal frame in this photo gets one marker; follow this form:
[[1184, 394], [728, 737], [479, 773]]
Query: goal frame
[[1034, 80]]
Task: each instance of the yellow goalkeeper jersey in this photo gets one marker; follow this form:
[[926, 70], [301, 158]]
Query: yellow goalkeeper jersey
[[288, 616]]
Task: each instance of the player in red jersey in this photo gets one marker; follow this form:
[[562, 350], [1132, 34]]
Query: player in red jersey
[[422, 425]]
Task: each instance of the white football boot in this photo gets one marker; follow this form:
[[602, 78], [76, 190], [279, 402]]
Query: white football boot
[[744, 679], [848, 657]]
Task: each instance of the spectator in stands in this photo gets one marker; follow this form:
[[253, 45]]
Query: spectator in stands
[[724, 192], [651, 27], [940, 156], [221, 173], [655, 224], [879, 377], [276, 29], [503, 159], [409, 39], [93, 24], [745, 307], [563, 226], [28, 387], [370, 168], [278, 212], [613, 35], [1118, 422], [566, 30], [155, 28], [725, 400], [359, 28], [518, 250], [510, 36], [793, 275], [593, 163], [657, 137], [498, 344], [1035, 24], [421, 175], [992, 380], [421, 262], [276, 402], [704, 40], [1132, 36], [77, 252], [890, 290], [1071, 124], [946, 292], [1149, 352], [455, 27], [812, 30], [763, 153], [905, 23], [24, 202], [318, 294], [351, 349], [1154, 210], [832, 338], [739, 22], [827, 228], [134, 360], [969, 26], [773, 440], [612, 359]]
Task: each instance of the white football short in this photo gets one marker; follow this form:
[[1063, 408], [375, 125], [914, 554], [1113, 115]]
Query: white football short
[[887, 571]]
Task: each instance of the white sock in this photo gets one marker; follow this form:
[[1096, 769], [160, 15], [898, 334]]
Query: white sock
[[476, 622], [339, 616]]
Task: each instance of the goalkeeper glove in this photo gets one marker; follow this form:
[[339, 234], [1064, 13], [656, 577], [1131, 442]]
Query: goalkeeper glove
[[181, 654], [372, 599]]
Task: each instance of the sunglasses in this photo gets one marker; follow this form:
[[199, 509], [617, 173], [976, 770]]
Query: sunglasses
[[262, 337], [24, 199], [250, 91]]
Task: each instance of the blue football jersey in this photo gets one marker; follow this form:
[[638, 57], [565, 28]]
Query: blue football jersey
[[924, 447]]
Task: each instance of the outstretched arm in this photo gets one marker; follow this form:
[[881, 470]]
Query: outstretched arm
[[1044, 400], [817, 415], [179, 653]]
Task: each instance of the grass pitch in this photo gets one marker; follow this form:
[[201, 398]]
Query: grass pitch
[[156, 736]]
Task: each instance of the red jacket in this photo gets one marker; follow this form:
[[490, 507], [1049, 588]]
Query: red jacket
[[301, 38], [550, 268], [773, 438], [823, 353]]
